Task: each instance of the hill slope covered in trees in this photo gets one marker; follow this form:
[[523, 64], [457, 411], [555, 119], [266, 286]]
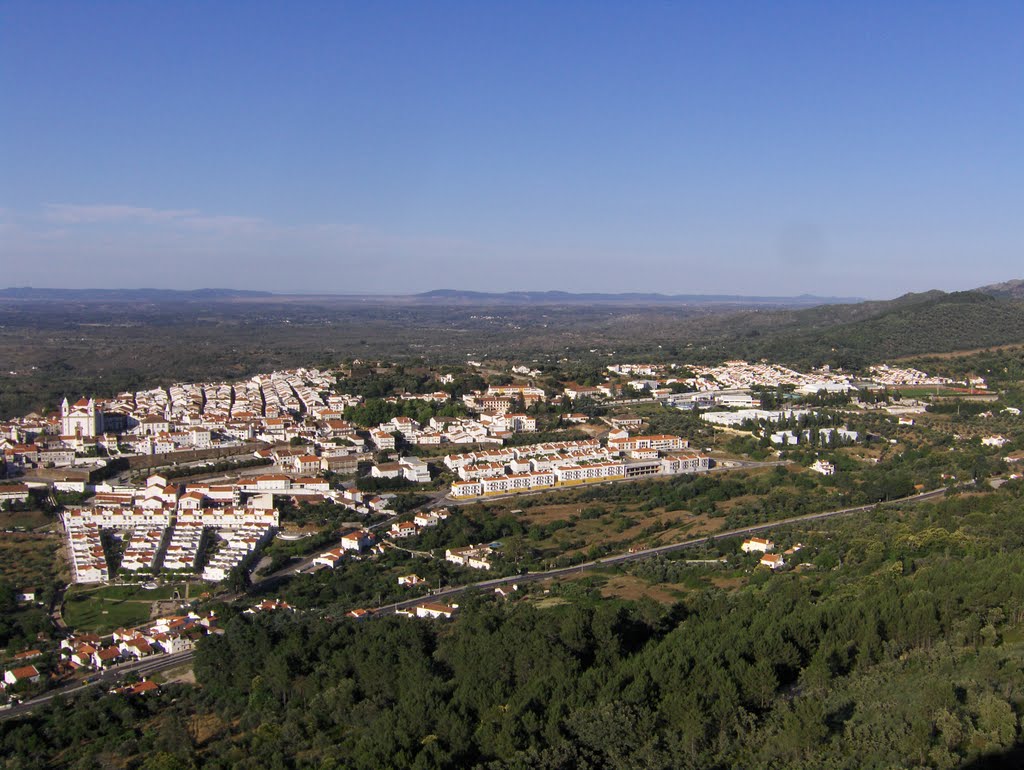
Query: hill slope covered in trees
[[870, 332], [903, 648]]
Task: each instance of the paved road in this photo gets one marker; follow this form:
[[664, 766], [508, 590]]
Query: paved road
[[649, 552], [106, 679], [57, 608]]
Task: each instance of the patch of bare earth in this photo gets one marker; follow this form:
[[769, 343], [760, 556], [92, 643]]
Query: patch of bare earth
[[728, 583], [633, 588], [205, 727], [549, 601], [182, 676], [548, 513], [696, 525]]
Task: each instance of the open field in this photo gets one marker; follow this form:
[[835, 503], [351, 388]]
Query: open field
[[138, 593], [624, 584], [569, 529], [728, 583], [26, 520], [103, 609], [545, 514], [942, 391], [101, 616], [633, 588], [182, 674], [30, 560], [592, 521]]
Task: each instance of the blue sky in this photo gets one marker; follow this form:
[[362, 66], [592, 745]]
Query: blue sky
[[723, 147]]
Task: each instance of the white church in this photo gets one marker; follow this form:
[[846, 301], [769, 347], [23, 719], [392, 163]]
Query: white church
[[82, 419]]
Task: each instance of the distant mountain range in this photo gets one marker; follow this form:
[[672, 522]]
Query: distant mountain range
[[457, 296], [436, 297], [852, 308], [129, 295]]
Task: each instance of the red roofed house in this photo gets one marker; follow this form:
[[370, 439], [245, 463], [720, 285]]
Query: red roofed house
[[435, 610], [82, 656], [772, 561], [403, 529], [306, 464], [357, 541], [22, 674], [139, 688], [106, 656], [329, 558], [15, 493], [757, 544], [136, 648]]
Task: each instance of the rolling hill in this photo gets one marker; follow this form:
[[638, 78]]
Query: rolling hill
[[851, 335]]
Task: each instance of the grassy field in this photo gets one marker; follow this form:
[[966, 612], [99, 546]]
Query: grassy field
[[101, 615], [102, 610], [632, 583], [632, 588], [26, 520], [138, 593], [572, 528], [29, 560], [923, 392]]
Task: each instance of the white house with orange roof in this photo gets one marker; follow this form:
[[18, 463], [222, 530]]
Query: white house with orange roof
[[330, 558], [757, 545], [357, 540], [404, 529], [306, 465], [22, 674], [435, 610]]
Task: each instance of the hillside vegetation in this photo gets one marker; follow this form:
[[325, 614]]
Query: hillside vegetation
[[902, 649], [873, 332]]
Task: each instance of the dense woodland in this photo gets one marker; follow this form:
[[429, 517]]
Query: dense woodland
[[905, 654]]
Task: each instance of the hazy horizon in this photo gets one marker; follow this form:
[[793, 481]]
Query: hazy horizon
[[729, 149], [416, 292]]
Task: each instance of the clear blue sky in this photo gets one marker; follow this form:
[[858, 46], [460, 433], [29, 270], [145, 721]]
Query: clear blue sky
[[866, 148]]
